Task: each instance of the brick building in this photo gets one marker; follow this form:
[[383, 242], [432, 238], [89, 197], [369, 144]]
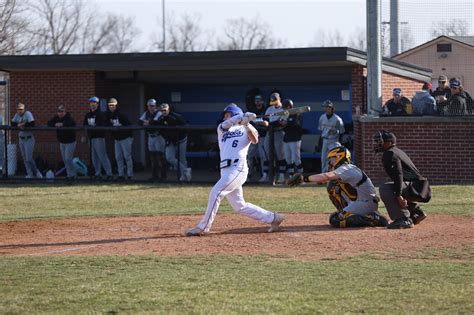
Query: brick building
[[200, 84]]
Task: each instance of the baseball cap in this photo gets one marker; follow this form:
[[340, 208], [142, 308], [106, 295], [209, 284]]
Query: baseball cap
[[397, 91], [112, 101], [20, 106], [61, 108], [164, 106], [258, 98], [427, 86], [94, 99], [454, 83], [275, 96], [443, 78], [328, 103]]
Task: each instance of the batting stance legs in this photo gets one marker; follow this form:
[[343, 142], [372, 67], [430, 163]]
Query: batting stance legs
[[230, 186]]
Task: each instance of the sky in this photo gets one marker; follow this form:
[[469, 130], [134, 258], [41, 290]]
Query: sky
[[296, 22]]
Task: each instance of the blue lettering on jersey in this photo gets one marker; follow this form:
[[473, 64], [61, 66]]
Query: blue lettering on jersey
[[233, 134]]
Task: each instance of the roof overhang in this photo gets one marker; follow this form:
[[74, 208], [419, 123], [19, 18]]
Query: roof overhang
[[208, 60]]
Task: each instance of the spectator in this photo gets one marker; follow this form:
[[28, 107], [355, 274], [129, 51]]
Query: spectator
[[257, 151], [24, 119], [423, 103], [123, 139], [176, 141], [442, 92], [331, 127], [96, 118], [458, 100], [399, 105], [292, 140], [156, 143], [66, 139]]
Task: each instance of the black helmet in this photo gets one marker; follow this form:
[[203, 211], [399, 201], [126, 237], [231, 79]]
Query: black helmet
[[341, 154], [382, 136], [287, 103]]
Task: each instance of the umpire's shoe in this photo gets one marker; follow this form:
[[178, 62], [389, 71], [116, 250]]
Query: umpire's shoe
[[195, 231], [401, 223], [277, 220], [418, 215]]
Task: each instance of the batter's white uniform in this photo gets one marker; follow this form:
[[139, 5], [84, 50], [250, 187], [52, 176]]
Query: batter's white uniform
[[233, 144]]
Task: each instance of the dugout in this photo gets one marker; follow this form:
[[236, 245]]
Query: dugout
[[199, 85]]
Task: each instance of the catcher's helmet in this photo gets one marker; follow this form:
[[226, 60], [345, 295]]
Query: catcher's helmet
[[94, 99], [233, 109], [151, 102], [382, 136], [287, 103], [341, 154]]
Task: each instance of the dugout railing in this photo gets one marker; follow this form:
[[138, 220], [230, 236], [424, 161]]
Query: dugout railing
[[202, 152]]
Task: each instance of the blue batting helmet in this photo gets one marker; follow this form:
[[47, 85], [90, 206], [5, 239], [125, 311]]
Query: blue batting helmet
[[233, 109], [94, 99]]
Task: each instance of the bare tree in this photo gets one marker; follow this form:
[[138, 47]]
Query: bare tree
[[324, 38], [358, 39], [182, 34], [13, 36], [454, 27], [69, 26], [243, 34]]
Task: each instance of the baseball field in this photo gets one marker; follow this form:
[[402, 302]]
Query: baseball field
[[118, 249]]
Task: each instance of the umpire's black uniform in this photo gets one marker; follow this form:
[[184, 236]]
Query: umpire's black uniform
[[406, 182]]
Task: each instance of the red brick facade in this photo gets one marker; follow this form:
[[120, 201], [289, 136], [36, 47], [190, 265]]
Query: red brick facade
[[441, 147], [43, 92], [389, 82]]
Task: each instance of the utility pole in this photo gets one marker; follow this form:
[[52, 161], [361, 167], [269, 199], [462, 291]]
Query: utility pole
[[374, 58], [395, 42], [164, 27]]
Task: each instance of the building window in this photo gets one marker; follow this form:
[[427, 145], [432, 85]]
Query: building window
[[443, 48]]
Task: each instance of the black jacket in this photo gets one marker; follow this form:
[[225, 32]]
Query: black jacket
[[401, 169], [172, 119], [293, 130], [397, 109], [95, 119], [458, 104], [115, 118], [64, 136]]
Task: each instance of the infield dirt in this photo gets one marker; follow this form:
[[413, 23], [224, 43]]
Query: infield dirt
[[304, 236]]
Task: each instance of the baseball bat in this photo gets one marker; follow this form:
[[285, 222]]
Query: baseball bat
[[287, 112]]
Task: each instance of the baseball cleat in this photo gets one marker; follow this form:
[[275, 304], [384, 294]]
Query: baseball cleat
[[277, 220], [418, 216], [401, 223], [195, 231]]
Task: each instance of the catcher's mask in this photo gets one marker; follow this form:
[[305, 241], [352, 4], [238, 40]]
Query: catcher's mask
[[342, 156], [380, 137]]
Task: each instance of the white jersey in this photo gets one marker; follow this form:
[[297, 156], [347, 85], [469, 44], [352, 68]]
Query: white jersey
[[351, 174], [233, 142], [331, 128]]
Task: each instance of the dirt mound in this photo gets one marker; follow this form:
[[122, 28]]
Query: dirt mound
[[305, 236]]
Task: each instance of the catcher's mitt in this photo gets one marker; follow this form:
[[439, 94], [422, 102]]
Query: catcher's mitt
[[295, 180]]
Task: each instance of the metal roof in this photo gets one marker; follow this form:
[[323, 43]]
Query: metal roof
[[208, 60]]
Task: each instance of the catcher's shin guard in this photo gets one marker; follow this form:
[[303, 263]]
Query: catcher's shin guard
[[335, 196], [345, 219]]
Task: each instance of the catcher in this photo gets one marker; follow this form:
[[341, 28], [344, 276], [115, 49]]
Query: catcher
[[349, 189]]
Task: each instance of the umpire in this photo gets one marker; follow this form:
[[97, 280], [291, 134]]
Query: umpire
[[407, 187]]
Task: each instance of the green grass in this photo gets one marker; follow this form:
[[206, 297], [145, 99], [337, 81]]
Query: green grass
[[33, 201], [227, 285]]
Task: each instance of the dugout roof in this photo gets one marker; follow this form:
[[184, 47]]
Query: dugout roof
[[196, 62]]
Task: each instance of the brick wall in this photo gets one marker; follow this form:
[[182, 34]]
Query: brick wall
[[389, 82], [42, 92], [442, 148]]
